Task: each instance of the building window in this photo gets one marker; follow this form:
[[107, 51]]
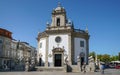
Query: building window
[[81, 43], [8, 53], [40, 45], [0, 41], [58, 21]]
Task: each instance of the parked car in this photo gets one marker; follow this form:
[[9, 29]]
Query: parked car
[[117, 66], [112, 66]]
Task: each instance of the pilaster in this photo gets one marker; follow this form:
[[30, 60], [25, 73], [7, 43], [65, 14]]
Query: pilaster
[[79, 64], [72, 49], [87, 50], [69, 47], [46, 54], [37, 52]]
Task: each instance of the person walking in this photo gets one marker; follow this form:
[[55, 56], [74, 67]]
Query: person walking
[[102, 68]]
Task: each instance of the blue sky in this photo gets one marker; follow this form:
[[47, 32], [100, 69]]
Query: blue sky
[[24, 18]]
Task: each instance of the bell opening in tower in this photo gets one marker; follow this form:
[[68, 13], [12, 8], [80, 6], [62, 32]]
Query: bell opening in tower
[[58, 21]]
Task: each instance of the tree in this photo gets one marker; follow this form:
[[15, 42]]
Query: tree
[[119, 56], [93, 54], [99, 56], [105, 58], [114, 58]]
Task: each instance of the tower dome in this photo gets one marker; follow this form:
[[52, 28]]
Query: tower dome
[[59, 8]]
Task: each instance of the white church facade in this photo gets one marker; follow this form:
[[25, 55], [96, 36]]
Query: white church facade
[[61, 43]]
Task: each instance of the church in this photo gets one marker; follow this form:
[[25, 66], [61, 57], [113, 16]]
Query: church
[[61, 43]]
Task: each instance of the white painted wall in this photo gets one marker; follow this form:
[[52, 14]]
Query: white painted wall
[[43, 48], [52, 44], [79, 49]]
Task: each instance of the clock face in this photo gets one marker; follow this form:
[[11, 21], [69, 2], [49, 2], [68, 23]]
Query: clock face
[[58, 39]]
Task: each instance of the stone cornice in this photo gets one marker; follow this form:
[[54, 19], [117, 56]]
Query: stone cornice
[[64, 27], [58, 50], [58, 12], [62, 31], [70, 32], [42, 35], [81, 35]]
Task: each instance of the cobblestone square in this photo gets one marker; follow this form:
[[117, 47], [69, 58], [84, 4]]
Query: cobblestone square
[[107, 72]]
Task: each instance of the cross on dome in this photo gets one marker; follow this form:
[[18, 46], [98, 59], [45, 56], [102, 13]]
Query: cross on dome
[[59, 4], [59, 7]]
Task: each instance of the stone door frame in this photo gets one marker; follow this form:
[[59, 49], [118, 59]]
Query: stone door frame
[[82, 58], [58, 51]]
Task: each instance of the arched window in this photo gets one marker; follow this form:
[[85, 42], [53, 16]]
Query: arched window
[[58, 21]]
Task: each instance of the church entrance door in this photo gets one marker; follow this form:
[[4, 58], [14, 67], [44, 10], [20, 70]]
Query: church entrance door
[[40, 61], [58, 60], [82, 55]]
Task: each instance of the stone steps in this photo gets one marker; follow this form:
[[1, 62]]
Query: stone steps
[[50, 69], [75, 68]]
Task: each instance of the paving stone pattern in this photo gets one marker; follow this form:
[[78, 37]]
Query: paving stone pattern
[[107, 72]]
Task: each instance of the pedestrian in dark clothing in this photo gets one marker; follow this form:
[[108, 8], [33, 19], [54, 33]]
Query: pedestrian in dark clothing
[[102, 68]]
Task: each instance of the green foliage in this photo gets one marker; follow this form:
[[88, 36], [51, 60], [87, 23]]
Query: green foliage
[[114, 58], [99, 57], [105, 57], [93, 54], [119, 56]]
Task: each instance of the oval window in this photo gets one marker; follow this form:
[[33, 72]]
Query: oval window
[[58, 39]]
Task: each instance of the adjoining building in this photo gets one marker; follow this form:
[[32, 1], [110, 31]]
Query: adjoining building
[[13, 53], [61, 42], [22, 51], [5, 47]]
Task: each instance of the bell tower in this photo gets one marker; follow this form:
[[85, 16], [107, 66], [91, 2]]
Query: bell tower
[[58, 16], [59, 19]]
